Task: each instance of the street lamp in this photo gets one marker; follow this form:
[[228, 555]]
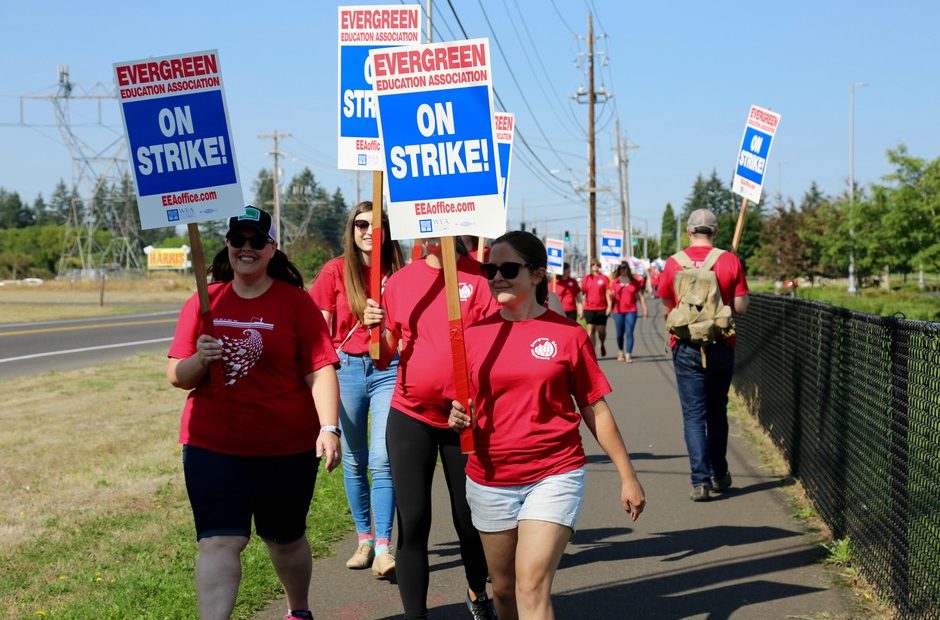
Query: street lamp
[[852, 87]]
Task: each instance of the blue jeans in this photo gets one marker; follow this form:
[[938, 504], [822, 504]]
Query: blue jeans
[[624, 322], [703, 394], [363, 389]]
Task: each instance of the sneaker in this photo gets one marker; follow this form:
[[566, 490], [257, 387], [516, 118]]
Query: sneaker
[[362, 558], [721, 483], [383, 565], [629, 359], [603, 349], [700, 493], [293, 615], [482, 608]]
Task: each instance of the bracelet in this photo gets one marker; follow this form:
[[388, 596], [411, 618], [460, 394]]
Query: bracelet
[[331, 428]]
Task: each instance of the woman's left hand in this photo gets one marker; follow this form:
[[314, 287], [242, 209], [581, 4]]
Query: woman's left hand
[[328, 448], [633, 497], [459, 419]]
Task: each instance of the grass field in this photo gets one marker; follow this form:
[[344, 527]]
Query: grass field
[[58, 300], [95, 522]]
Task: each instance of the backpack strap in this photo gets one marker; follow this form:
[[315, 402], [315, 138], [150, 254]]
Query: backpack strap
[[712, 258], [683, 259]]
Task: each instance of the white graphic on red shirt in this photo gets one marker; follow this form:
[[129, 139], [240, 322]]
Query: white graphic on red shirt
[[240, 354], [543, 349], [465, 289]]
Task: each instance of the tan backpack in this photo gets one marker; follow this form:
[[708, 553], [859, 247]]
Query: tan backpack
[[700, 315]]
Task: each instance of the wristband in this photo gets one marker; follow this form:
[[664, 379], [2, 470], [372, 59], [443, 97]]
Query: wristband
[[331, 428]]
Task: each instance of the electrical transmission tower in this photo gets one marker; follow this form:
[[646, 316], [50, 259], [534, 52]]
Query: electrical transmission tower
[[103, 193]]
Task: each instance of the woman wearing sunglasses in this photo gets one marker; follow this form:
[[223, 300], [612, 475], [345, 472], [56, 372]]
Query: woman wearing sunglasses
[[415, 316], [525, 481], [251, 446], [341, 290]]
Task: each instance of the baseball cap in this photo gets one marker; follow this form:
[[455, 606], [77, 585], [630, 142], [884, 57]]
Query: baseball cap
[[254, 218], [702, 218]]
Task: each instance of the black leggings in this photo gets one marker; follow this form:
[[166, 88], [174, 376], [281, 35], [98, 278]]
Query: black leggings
[[412, 453]]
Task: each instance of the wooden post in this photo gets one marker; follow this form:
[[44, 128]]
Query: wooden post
[[481, 246], [740, 226], [455, 324], [377, 266], [202, 288]]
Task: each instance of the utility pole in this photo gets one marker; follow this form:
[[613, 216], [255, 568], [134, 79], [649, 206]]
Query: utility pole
[[277, 175], [623, 176]]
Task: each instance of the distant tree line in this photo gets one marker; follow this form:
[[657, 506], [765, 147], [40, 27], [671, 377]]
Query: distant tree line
[[893, 226], [33, 236]]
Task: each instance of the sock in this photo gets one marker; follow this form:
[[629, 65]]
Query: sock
[[367, 538], [381, 546], [302, 613]]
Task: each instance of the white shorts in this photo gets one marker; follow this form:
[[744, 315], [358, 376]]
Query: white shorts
[[556, 499]]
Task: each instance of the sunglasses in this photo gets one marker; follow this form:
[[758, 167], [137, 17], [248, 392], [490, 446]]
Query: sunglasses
[[256, 242], [362, 225], [509, 270]]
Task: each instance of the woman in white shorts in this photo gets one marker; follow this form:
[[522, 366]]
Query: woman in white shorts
[[525, 483]]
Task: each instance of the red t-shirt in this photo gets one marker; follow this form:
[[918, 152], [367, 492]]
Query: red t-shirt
[[624, 295], [329, 293], [269, 345], [523, 375], [728, 270], [416, 313], [595, 291], [567, 290]]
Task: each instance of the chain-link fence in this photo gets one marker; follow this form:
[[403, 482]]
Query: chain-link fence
[[853, 400]]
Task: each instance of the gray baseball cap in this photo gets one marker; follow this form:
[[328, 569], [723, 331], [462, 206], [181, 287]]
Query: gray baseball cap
[[702, 218]]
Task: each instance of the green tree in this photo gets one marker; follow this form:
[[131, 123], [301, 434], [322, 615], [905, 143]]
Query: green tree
[[60, 204], [667, 235]]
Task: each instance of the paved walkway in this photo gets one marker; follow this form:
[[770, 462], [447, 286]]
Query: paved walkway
[[737, 556]]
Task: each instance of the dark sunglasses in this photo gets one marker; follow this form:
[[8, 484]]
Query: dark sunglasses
[[509, 270], [256, 242], [362, 225]]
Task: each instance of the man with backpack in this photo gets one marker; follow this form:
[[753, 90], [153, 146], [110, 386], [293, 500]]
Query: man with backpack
[[701, 287]]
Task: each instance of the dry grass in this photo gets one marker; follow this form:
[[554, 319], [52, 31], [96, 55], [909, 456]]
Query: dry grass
[[94, 521], [56, 300], [65, 443]]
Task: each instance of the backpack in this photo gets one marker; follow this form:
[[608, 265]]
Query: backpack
[[700, 315]]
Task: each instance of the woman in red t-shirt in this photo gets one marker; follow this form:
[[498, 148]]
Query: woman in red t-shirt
[[525, 482], [251, 447], [341, 290], [626, 291], [416, 319]]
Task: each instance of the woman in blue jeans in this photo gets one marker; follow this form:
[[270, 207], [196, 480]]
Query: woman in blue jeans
[[626, 292], [341, 290]]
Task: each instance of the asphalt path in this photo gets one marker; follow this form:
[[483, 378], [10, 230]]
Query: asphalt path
[[31, 348], [738, 556]]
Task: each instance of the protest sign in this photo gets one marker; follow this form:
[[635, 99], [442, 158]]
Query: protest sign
[[505, 131], [436, 125], [555, 248], [361, 29], [166, 258], [759, 132], [179, 139], [611, 247]]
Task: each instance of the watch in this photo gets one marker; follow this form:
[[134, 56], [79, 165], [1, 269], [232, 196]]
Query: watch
[[331, 428]]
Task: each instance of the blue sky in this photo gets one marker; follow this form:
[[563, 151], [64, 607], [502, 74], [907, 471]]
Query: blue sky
[[683, 75]]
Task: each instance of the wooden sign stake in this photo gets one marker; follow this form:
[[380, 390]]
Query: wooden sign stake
[[740, 226], [377, 266], [455, 324], [205, 310]]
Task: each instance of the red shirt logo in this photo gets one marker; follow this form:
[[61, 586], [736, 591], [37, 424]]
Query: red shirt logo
[[543, 349]]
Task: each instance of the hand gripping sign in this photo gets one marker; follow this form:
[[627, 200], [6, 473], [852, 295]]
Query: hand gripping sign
[[178, 136], [436, 125], [180, 146], [759, 132]]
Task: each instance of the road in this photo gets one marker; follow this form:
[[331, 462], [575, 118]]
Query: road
[[30, 348]]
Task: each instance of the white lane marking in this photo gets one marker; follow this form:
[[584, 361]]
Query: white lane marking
[[82, 350]]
